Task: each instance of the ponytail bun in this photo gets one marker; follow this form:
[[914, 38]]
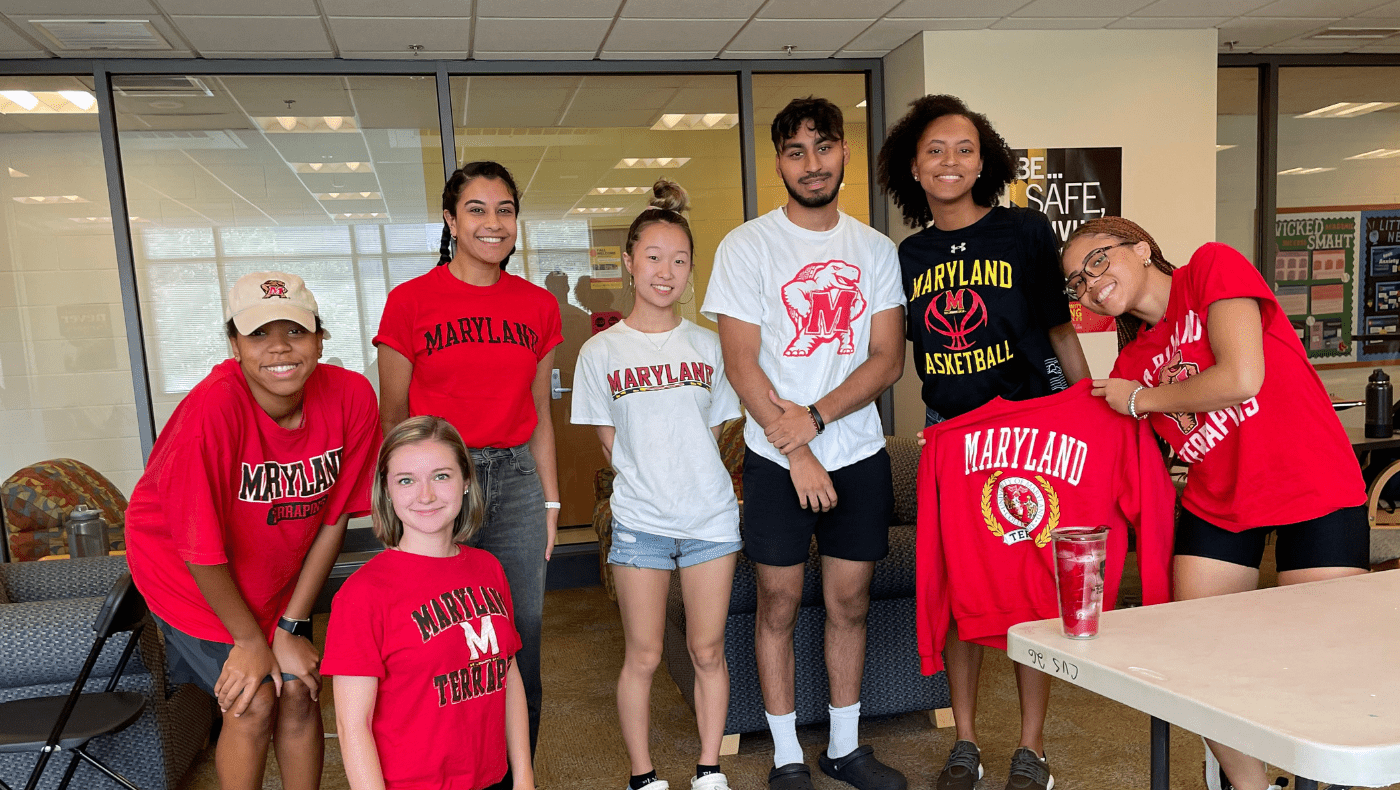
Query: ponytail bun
[[667, 195]]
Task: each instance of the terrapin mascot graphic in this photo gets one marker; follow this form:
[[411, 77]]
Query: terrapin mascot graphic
[[1031, 509], [956, 317], [823, 300], [271, 288], [1175, 371]]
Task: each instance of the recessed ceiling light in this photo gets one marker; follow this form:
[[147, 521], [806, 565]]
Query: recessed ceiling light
[[80, 99], [49, 200], [24, 99], [348, 196], [861, 105], [324, 124], [598, 210], [16, 174], [619, 190], [332, 167], [695, 121], [1348, 109], [654, 162], [1372, 33]]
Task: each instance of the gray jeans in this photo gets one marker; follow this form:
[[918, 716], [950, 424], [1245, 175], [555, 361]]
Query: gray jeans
[[514, 531]]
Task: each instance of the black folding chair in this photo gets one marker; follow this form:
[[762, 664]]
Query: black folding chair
[[51, 724]]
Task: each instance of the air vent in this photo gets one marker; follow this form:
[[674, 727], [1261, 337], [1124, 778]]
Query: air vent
[[1364, 33], [156, 86], [180, 140], [101, 34]]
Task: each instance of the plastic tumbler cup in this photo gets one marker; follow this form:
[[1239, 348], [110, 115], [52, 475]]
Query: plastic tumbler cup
[[1079, 559]]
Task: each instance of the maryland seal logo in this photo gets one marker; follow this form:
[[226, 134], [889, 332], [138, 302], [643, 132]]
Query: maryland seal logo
[[822, 301], [1016, 509], [271, 288], [1173, 371]]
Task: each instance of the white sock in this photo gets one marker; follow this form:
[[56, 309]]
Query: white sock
[[786, 749], [845, 730]]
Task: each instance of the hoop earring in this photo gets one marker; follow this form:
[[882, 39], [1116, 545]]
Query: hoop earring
[[689, 284]]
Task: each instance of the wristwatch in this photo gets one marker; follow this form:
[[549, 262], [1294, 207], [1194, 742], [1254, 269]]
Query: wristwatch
[[300, 628]]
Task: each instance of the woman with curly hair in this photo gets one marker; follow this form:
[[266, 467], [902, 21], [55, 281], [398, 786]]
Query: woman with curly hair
[[988, 319]]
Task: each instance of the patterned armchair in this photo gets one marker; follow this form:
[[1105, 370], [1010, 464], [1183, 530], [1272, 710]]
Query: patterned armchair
[[46, 616], [38, 497]]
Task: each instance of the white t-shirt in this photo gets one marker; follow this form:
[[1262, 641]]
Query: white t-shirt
[[812, 294], [662, 393]]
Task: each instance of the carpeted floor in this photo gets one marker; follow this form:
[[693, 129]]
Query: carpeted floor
[[1091, 742]]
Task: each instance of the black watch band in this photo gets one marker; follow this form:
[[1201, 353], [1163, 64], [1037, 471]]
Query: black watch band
[[300, 628]]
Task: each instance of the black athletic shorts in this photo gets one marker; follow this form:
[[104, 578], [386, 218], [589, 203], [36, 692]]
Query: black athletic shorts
[[777, 530], [198, 661], [1340, 539]]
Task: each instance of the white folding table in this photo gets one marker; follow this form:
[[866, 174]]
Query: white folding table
[[1304, 677]]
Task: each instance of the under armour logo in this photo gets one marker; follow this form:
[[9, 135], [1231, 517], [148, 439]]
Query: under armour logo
[[960, 247]]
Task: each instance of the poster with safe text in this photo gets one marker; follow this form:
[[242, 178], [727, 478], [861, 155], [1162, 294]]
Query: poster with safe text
[[1315, 279], [1071, 186], [1378, 309]]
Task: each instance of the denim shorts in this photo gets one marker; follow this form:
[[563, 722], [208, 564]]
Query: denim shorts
[[634, 549]]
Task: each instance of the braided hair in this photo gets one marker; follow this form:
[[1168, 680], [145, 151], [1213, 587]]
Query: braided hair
[[1124, 230]]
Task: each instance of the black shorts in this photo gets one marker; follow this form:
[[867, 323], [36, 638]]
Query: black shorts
[[777, 530], [198, 661], [1340, 539]]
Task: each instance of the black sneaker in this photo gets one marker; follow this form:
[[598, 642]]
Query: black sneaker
[[1029, 772], [963, 769]]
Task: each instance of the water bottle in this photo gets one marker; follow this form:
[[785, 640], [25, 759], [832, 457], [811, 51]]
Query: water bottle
[[1379, 398], [87, 532]]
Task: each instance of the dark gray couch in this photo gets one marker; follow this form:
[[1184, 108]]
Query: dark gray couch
[[892, 683], [47, 611]]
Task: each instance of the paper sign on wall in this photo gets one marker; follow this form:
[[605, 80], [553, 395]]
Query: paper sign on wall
[[607, 267]]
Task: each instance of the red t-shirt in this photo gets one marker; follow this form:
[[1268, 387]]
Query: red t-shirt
[[438, 633], [1278, 458], [995, 481], [474, 351], [226, 484]]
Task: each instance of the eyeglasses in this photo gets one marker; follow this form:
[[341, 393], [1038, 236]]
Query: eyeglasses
[[1095, 264]]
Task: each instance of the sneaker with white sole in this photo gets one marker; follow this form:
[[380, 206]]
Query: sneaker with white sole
[[659, 784], [1029, 771], [709, 782], [963, 769]]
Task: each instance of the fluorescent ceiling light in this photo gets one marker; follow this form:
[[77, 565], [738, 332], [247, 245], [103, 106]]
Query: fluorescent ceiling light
[[332, 167], [1304, 171], [102, 220], [1219, 147], [24, 99], [80, 99], [619, 190], [1379, 153], [1348, 109], [598, 210], [46, 200], [279, 124], [348, 196], [16, 174], [862, 104], [653, 162], [695, 121], [362, 215]]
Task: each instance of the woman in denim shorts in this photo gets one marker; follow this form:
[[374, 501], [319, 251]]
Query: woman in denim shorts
[[654, 386]]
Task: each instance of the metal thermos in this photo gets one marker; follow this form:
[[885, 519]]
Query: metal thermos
[[1379, 399], [87, 532]]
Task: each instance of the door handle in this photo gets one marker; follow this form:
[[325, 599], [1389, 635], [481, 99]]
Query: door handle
[[555, 391]]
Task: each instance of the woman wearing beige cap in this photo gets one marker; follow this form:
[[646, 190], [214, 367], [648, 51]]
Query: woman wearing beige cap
[[238, 518]]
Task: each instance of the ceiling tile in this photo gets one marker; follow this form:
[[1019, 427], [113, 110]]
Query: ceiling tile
[[1056, 23], [641, 35], [425, 9], [1370, 21], [1386, 47], [1389, 9], [620, 55], [826, 9], [808, 35], [10, 41], [1168, 22], [540, 35], [1315, 8], [33, 53], [242, 8], [683, 9], [480, 55], [548, 8], [81, 8], [965, 9], [1201, 8], [848, 53], [1079, 8], [389, 35], [887, 34], [1258, 32], [254, 33]]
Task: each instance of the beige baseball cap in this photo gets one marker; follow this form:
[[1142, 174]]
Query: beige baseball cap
[[262, 297]]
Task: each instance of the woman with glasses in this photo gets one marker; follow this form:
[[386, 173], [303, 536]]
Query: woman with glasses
[[988, 320], [1211, 360]]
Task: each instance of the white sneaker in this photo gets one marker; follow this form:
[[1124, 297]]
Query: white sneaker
[[710, 782], [659, 784]]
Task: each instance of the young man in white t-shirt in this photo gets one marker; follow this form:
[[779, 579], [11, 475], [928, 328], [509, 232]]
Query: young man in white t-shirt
[[811, 321]]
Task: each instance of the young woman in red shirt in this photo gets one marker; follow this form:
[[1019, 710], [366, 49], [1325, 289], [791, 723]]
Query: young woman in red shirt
[[474, 344], [421, 639], [1211, 360]]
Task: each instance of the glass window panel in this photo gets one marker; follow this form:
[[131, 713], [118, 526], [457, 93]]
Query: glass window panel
[[1237, 158], [65, 377], [334, 178], [772, 92]]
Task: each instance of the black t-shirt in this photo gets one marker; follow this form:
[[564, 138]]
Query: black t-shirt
[[982, 300]]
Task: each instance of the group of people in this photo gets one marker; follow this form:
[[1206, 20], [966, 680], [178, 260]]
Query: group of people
[[435, 642]]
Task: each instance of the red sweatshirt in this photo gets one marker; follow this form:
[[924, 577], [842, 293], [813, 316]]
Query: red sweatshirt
[[992, 484]]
